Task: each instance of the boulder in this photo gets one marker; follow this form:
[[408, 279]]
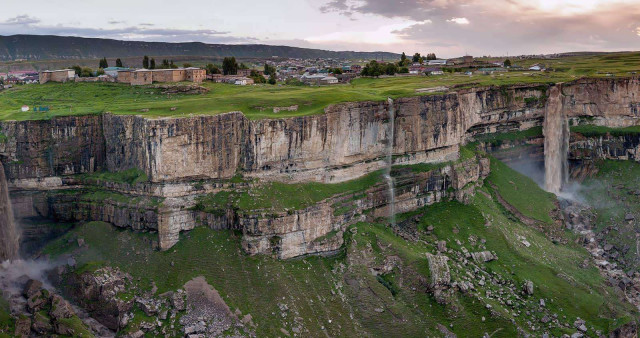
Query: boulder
[[527, 287], [37, 301], [41, 324], [31, 288], [60, 308], [23, 326], [483, 257], [178, 300]]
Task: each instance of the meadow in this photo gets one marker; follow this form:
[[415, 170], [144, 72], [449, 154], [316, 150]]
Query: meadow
[[257, 101]]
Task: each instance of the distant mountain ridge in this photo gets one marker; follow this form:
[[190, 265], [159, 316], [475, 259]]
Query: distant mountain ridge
[[52, 47]]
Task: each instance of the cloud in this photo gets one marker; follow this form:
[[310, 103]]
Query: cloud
[[459, 21], [21, 20], [501, 32], [24, 24], [507, 26]]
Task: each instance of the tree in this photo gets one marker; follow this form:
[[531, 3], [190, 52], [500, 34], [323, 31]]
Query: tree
[[145, 62], [257, 77], [103, 63], [416, 57], [272, 79], [336, 71], [83, 71], [243, 66], [119, 63], [186, 65], [212, 69], [404, 70], [172, 65], [77, 69], [373, 68], [431, 56], [269, 69], [403, 58], [507, 63], [391, 69], [99, 72], [152, 64], [230, 66]]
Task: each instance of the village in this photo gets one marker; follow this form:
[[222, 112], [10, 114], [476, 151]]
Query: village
[[292, 71]]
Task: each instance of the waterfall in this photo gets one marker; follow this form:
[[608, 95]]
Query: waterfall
[[9, 241], [556, 143], [390, 180]]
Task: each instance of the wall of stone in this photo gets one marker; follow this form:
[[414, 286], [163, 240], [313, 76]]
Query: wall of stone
[[346, 142]]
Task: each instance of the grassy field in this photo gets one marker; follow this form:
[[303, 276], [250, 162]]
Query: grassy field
[[257, 101]]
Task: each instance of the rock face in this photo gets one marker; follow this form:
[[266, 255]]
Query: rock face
[[346, 142], [99, 291]]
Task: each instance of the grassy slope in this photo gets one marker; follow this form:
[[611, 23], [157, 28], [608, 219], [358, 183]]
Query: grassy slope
[[7, 323], [337, 288], [521, 192]]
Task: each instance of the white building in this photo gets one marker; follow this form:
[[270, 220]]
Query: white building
[[438, 62]]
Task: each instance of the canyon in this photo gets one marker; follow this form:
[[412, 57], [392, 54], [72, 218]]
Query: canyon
[[48, 163]]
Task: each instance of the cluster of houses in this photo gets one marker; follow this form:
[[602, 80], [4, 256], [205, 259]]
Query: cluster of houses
[[127, 75], [19, 77], [311, 72]]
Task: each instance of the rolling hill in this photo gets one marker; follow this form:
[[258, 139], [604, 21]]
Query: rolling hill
[[51, 47]]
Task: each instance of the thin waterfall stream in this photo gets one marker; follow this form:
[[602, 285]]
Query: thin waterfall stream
[[390, 180], [9, 240]]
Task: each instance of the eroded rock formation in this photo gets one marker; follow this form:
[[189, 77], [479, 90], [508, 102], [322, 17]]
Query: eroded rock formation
[[185, 157]]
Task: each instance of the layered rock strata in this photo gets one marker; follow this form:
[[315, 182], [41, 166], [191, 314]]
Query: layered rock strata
[[186, 157]]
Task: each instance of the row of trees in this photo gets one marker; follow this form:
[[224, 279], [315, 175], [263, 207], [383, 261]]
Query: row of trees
[[417, 58], [86, 71], [373, 68], [104, 64]]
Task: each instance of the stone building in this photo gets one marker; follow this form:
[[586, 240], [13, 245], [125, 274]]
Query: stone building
[[196, 75], [62, 75], [141, 77]]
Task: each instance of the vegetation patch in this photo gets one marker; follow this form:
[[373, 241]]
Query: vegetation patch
[[276, 196], [497, 139], [595, 131], [521, 192], [129, 176]]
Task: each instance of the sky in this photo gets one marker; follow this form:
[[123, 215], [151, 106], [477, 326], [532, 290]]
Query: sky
[[448, 28]]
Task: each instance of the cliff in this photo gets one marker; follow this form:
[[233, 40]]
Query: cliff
[[193, 156]]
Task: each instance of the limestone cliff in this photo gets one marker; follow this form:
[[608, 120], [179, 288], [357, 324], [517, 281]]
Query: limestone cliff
[[189, 156]]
